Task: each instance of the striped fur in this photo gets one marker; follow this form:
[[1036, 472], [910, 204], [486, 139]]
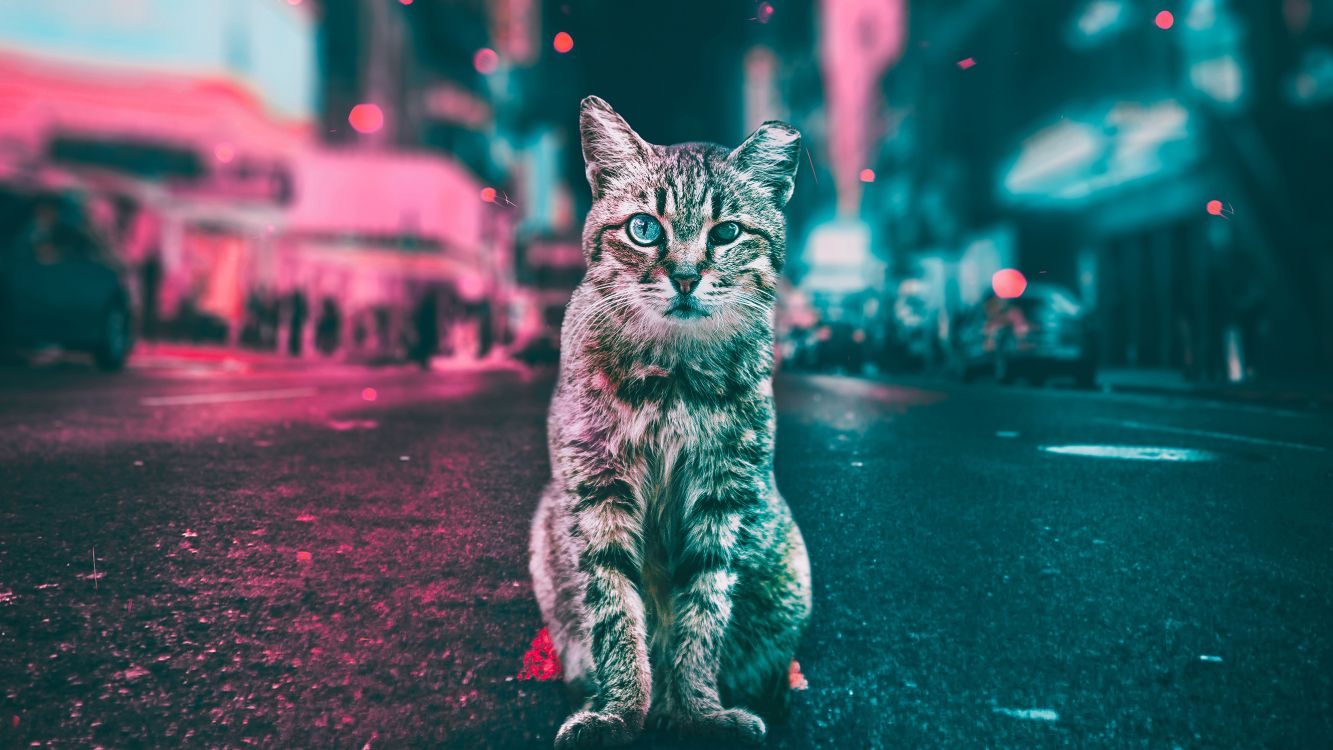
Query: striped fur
[[669, 571]]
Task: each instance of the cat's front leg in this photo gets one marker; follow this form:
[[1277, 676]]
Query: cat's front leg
[[608, 520], [714, 530]]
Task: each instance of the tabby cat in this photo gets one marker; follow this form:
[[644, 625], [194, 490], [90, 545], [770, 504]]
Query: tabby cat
[[668, 569]]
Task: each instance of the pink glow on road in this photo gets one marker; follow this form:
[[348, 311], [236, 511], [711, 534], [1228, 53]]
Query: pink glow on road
[[967, 63], [369, 394], [366, 118], [1008, 283], [563, 42], [485, 60], [867, 175], [1215, 207], [1165, 20]]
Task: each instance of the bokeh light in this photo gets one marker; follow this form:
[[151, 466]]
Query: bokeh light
[[563, 42], [1008, 283], [488, 194], [224, 152], [764, 13], [369, 394], [867, 175], [1165, 20], [1215, 207], [366, 118], [485, 60]]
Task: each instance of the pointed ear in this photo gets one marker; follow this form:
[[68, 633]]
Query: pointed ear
[[610, 145], [770, 157]]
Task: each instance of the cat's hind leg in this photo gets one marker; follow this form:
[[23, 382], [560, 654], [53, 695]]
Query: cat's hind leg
[[558, 585]]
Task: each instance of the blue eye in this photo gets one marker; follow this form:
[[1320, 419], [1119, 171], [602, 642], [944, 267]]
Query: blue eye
[[725, 232], [644, 229]]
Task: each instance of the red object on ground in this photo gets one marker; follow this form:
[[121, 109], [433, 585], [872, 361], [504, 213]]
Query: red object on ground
[[795, 678], [541, 662]]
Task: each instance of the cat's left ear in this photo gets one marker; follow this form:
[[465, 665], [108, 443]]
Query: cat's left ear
[[770, 156]]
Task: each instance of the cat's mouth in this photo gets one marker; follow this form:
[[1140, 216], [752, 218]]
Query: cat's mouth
[[685, 308]]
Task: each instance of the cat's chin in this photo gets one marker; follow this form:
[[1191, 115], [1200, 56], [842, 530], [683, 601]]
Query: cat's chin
[[684, 312]]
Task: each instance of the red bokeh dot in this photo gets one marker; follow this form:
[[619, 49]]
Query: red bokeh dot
[[405, 2], [1165, 20], [1008, 283], [369, 394], [366, 118], [867, 175], [488, 194], [563, 42], [485, 60], [1215, 208], [224, 152], [765, 12]]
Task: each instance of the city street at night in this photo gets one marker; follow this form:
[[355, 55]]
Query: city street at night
[[227, 553]]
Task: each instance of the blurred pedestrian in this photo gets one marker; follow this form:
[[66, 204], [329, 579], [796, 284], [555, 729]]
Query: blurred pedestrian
[[427, 330]]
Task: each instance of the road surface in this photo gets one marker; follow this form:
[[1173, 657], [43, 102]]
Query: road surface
[[335, 557]]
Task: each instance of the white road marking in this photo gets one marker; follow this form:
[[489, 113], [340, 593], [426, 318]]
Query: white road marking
[[1132, 452], [1034, 714], [1211, 434], [226, 398]]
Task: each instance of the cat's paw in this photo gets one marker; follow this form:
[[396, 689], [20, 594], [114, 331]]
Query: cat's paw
[[722, 725], [729, 725], [593, 729]]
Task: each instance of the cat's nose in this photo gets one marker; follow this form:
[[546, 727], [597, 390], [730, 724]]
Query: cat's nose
[[685, 280]]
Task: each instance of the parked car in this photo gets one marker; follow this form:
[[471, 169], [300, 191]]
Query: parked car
[[59, 282], [1043, 334]]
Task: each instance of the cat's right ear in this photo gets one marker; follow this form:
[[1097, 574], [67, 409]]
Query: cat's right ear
[[610, 145]]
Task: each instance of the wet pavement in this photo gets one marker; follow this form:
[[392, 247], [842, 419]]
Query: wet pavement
[[335, 557]]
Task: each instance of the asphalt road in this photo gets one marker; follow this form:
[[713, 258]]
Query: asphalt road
[[281, 561]]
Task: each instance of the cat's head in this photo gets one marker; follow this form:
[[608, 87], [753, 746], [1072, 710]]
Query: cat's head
[[687, 239]]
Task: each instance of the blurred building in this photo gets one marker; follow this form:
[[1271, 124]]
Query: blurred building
[[1156, 165], [255, 205]]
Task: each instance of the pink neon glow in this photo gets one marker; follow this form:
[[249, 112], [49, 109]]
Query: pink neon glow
[[1008, 283], [366, 118], [1215, 207], [1165, 20], [867, 175], [488, 194], [224, 152], [485, 60], [967, 63], [859, 39], [369, 394], [563, 42], [764, 13]]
